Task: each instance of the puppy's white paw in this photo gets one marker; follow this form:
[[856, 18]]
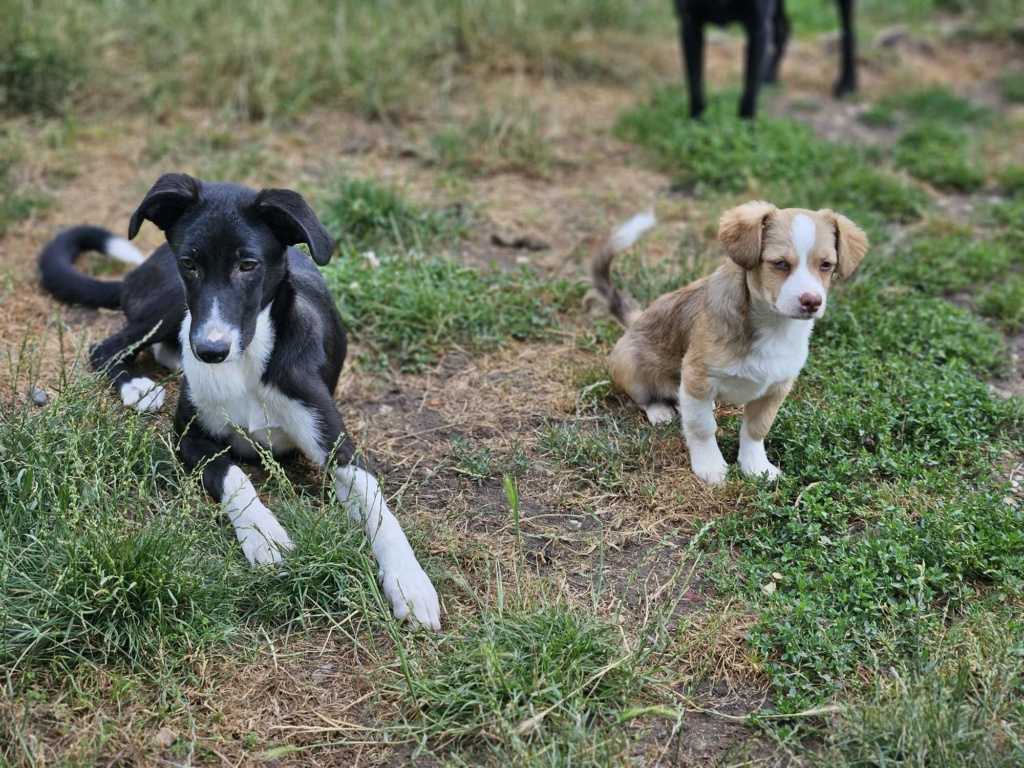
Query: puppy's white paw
[[142, 394], [264, 540], [410, 593], [764, 468], [707, 463], [660, 413]]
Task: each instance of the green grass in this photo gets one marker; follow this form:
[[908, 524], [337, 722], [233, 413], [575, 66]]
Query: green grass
[[112, 554], [503, 139], [780, 160], [418, 302], [256, 59], [364, 215], [934, 104], [964, 708], [1013, 87], [527, 687], [41, 57], [939, 155], [16, 204]]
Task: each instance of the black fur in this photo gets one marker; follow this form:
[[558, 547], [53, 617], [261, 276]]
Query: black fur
[[767, 26], [59, 276]]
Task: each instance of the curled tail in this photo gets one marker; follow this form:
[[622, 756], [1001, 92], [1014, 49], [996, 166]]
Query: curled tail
[[621, 306], [59, 277]]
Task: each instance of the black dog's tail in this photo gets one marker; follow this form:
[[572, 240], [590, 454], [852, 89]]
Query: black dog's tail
[[57, 266], [623, 238]]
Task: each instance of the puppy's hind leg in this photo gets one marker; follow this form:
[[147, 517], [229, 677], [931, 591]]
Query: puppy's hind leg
[[115, 356]]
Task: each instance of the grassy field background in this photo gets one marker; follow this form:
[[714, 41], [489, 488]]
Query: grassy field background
[[602, 607]]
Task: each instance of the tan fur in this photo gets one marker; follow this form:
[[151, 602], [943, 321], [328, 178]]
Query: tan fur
[[702, 332], [621, 306]]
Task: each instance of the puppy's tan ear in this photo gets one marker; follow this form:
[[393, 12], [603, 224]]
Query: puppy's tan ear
[[851, 243], [742, 229]]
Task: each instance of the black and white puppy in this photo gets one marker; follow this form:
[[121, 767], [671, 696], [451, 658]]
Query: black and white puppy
[[261, 346], [767, 28]]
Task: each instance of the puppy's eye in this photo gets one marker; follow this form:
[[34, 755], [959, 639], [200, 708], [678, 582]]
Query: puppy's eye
[[826, 266], [248, 265], [781, 265], [187, 264]]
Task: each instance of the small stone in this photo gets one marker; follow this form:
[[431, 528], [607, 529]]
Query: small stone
[[768, 588], [575, 524], [165, 737], [776, 575], [1010, 501], [384, 410], [892, 36], [38, 395]]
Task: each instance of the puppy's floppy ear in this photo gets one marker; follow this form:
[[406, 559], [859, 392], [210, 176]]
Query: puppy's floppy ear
[[293, 221], [165, 202], [741, 231], [851, 243]]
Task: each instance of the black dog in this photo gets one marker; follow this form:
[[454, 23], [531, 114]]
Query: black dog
[[261, 345], [766, 23]]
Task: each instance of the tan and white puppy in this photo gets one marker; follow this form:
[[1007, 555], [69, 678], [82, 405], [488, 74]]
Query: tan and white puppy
[[739, 335]]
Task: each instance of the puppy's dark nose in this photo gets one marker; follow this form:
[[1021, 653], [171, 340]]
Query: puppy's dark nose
[[212, 351], [810, 302]]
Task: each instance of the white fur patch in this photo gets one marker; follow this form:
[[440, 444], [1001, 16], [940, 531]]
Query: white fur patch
[[122, 250], [263, 539], [142, 394], [803, 234], [231, 395], [752, 457], [406, 586], [627, 234], [778, 353], [166, 356], [699, 428], [801, 282], [216, 328], [660, 413]]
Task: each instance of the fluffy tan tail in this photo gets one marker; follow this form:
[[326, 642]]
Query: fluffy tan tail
[[623, 238]]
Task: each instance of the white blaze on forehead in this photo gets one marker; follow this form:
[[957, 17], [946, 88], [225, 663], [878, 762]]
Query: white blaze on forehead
[[803, 234]]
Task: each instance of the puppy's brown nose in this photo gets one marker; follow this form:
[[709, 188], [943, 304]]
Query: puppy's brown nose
[[810, 302]]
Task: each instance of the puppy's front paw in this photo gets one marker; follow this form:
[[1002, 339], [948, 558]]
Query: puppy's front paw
[[410, 593], [142, 394], [708, 464], [264, 540], [759, 468]]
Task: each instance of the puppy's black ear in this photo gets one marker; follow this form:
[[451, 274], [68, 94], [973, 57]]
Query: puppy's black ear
[[165, 202], [742, 229], [293, 221]]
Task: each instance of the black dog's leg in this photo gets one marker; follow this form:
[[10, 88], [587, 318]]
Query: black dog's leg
[[406, 586], [847, 82], [758, 34], [781, 38], [262, 537], [115, 356], [691, 38]]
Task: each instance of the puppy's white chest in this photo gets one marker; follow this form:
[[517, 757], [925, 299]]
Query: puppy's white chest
[[776, 355], [231, 399]]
